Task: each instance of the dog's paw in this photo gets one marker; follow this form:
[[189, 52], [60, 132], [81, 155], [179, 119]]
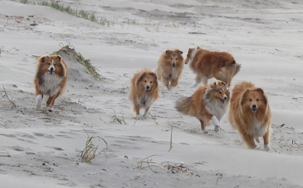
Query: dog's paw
[[169, 87], [266, 147], [51, 109], [253, 147], [38, 101], [257, 139], [217, 128], [205, 131]]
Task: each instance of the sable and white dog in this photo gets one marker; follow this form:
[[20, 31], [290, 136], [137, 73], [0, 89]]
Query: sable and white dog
[[50, 79], [207, 64], [209, 102], [144, 91], [250, 114], [170, 67]]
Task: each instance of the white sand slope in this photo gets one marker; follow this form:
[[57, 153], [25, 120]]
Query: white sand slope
[[41, 149]]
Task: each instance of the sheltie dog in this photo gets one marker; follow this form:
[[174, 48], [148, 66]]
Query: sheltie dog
[[50, 79], [207, 64], [144, 91], [170, 67], [250, 114], [209, 102]]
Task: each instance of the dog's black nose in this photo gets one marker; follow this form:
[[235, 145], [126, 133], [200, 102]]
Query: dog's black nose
[[254, 106], [147, 87], [225, 98], [51, 69], [174, 64]]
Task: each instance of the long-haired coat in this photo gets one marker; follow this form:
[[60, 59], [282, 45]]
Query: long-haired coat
[[209, 102], [144, 91], [170, 67], [207, 64], [250, 114], [50, 79]]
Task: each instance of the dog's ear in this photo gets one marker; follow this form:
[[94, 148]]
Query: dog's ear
[[155, 78], [179, 52], [168, 52], [243, 98], [58, 58], [43, 59], [261, 91], [142, 76]]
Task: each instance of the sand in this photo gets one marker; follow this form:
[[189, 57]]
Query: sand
[[41, 149]]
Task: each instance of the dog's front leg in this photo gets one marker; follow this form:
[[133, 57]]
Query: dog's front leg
[[145, 113], [217, 123], [166, 82]]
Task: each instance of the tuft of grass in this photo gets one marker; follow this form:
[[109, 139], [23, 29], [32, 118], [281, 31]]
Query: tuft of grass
[[6, 95], [24, 1], [116, 120], [93, 18], [65, 8], [90, 150], [70, 50]]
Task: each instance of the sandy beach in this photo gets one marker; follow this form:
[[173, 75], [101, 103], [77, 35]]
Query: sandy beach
[[39, 148]]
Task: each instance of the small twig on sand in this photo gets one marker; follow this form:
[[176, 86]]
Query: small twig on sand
[[282, 125], [102, 120], [153, 118], [148, 162], [171, 138], [6, 95]]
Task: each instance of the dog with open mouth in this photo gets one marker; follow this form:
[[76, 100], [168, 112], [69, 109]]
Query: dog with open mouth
[[250, 114], [144, 91], [170, 67], [209, 102], [50, 79]]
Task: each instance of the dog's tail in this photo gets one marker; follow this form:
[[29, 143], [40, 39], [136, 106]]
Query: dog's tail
[[234, 68], [228, 72], [183, 105]]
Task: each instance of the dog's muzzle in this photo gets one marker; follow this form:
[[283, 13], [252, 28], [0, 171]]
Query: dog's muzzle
[[222, 100], [147, 87], [174, 64], [254, 108], [51, 69]]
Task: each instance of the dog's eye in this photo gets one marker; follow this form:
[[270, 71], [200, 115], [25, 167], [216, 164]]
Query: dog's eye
[[220, 92], [176, 58], [48, 63], [250, 99], [145, 81], [55, 65], [171, 58], [151, 82], [257, 99]]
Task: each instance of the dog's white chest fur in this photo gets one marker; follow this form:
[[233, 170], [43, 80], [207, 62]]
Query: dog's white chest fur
[[257, 129], [145, 100], [174, 73], [216, 108], [51, 84]]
